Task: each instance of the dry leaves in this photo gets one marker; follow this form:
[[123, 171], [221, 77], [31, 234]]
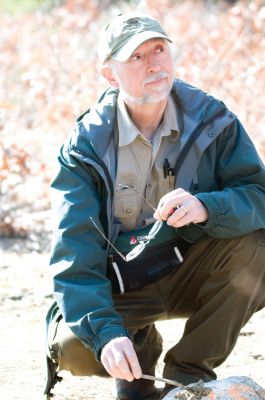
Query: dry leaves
[[49, 76]]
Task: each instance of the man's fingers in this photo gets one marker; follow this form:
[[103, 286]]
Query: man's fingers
[[182, 216], [192, 211], [120, 368], [133, 363], [169, 203], [186, 209], [120, 360], [123, 366], [116, 364]]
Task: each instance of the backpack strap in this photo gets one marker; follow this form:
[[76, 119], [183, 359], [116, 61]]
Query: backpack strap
[[52, 378], [191, 139]]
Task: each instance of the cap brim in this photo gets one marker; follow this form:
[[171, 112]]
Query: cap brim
[[126, 51]]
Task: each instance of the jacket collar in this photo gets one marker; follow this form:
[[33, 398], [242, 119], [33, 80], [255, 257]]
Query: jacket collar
[[197, 104], [94, 129]]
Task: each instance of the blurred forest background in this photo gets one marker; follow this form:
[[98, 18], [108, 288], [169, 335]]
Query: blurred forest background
[[49, 76]]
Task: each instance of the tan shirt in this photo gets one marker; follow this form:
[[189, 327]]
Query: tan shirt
[[140, 164]]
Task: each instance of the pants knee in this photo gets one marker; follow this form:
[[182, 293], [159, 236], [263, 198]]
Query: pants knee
[[238, 268], [72, 355], [250, 281]]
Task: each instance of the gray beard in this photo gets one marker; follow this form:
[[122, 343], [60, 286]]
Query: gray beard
[[148, 98]]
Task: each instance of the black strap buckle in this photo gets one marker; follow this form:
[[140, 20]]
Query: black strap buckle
[[52, 378]]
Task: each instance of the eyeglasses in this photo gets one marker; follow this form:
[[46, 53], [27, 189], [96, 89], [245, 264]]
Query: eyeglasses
[[143, 240]]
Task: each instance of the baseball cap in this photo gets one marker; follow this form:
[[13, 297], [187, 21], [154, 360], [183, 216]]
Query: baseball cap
[[126, 32]]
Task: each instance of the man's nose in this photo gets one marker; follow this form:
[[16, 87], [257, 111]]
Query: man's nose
[[153, 67]]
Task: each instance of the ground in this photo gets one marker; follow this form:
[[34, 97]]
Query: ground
[[26, 293]]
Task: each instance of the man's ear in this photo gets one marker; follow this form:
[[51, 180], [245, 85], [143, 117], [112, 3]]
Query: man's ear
[[107, 72]]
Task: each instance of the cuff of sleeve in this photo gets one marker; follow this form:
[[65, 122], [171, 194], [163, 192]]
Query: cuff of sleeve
[[99, 341], [213, 208]]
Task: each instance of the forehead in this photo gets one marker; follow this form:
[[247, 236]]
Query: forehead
[[151, 43]]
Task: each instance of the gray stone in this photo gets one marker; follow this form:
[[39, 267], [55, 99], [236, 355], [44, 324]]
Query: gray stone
[[232, 388]]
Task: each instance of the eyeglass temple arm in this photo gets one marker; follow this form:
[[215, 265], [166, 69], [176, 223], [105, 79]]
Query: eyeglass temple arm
[[102, 234], [139, 194]]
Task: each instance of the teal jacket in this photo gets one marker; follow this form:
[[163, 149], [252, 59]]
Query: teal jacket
[[221, 167]]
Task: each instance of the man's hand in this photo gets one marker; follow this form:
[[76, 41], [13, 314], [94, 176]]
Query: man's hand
[[181, 208], [120, 360]]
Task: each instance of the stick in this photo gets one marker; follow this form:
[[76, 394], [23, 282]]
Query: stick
[[168, 381]]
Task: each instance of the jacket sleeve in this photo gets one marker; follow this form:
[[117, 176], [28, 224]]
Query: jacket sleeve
[[78, 258], [237, 205]]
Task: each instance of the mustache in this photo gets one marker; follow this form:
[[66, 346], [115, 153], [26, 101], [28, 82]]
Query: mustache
[[156, 77]]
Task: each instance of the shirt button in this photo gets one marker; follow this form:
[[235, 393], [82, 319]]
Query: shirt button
[[128, 211]]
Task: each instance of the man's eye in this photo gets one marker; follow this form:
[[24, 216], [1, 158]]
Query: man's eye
[[159, 49], [135, 57]]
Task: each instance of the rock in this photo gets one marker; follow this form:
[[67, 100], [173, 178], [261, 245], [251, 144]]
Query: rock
[[232, 388]]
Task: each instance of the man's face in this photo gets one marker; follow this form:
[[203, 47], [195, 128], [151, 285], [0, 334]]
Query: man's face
[[147, 76]]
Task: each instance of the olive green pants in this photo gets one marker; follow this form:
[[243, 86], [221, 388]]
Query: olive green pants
[[218, 287]]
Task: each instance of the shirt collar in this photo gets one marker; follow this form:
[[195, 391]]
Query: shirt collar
[[128, 132]]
